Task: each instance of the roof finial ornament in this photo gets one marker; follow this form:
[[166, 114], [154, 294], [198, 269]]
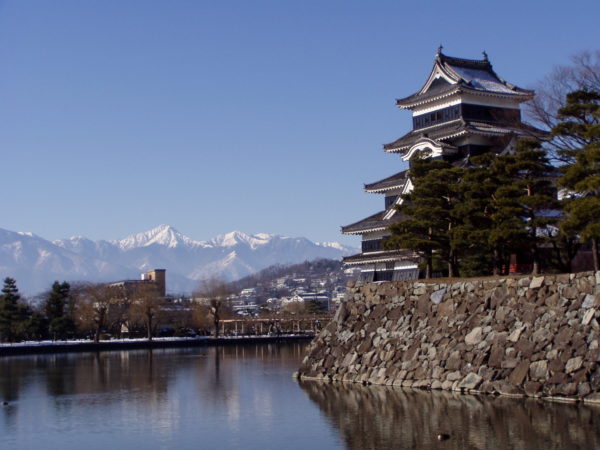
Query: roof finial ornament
[[485, 56], [439, 52]]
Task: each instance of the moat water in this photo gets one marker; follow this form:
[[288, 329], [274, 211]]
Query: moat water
[[243, 397]]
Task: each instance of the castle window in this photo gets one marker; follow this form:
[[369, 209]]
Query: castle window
[[389, 200], [435, 117]]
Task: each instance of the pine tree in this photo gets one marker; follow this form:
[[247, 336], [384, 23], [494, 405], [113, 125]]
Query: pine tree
[[430, 226], [477, 217], [581, 122], [532, 188], [56, 305], [9, 310]]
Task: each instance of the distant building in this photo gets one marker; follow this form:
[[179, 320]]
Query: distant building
[[320, 298], [464, 109], [156, 277], [248, 292]]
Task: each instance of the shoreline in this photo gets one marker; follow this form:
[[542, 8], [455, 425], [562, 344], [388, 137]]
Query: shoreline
[[33, 348], [590, 401]]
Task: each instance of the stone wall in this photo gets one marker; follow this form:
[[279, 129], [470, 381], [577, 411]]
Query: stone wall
[[534, 336]]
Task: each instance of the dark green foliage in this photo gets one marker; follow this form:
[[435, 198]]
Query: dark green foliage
[[10, 313], [488, 224], [315, 307], [581, 123], [56, 307], [34, 327], [430, 207], [531, 194], [473, 218], [56, 301]]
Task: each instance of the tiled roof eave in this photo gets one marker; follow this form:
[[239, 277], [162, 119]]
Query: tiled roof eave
[[395, 181], [384, 189], [364, 230], [443, 138], [380, 257], [497, 132], [523, 96], [404, 104]]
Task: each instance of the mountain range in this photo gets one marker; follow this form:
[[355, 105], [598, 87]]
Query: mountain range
[[36, 262]]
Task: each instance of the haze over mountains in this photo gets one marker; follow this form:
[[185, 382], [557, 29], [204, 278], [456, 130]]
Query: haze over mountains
[[36, 262]]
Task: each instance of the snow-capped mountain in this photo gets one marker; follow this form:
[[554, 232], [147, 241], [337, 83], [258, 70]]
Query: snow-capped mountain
[[36, 262], [164, 235]]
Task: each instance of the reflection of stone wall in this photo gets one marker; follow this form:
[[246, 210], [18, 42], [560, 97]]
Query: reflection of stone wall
[[380, 417], [537, 336]]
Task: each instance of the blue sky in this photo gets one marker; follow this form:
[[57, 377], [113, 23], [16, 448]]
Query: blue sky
[[262, 116]]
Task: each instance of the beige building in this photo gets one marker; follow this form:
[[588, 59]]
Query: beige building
[[156, 277]]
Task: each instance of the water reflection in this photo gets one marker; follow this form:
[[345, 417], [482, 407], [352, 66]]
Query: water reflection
[[218, 396], [243, 397], [377, 417]]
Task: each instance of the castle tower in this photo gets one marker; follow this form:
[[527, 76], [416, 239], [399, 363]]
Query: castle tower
[[464, 109]]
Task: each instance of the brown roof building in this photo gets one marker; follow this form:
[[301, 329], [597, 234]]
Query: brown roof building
[[464, 109]]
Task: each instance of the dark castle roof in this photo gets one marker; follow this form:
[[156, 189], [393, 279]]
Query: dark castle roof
[[368, 223], [395, 181], [375, 222], [381, 257], [459, 75], [448, 130]]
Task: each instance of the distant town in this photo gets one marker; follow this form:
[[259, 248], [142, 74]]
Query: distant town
[[294, 299], [310, 287]]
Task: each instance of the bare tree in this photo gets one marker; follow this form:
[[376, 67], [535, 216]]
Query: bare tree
[[298, 307], [582, 74], [201, 318], [214, 293], [146, 306], [96, 306]]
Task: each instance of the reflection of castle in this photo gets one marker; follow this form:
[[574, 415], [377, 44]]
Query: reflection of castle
[[464, 109], [374, 417], [156, 277]]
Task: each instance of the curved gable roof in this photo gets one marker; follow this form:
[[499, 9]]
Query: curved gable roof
[[451, 75]]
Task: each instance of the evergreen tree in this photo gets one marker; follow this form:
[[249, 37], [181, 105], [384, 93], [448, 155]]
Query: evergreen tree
[[9, 310], [34, 326], [474, 218], [581, 123], [56, 306], [533, 190], [315, 306], [430, 225], [480, 228]]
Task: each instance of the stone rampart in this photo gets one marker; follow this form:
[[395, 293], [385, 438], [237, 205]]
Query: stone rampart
[[533, 336]]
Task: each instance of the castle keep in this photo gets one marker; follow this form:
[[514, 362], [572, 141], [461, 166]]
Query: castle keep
[[464, 109]]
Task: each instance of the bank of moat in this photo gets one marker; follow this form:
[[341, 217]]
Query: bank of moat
[[532, 336]]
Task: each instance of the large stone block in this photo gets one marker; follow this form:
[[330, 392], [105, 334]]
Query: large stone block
[[519, 373], [573, 364], [471, 381], [474, 337], [591, 301], [536, 282], [437, 296], [516, 334], [538, 370]]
